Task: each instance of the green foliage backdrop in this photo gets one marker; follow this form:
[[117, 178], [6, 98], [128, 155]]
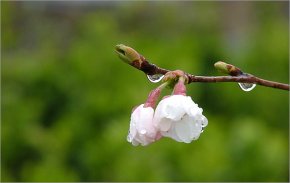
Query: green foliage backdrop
[[66, 98]]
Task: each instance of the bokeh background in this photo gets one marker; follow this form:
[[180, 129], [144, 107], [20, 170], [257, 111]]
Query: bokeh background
[[66, 97]]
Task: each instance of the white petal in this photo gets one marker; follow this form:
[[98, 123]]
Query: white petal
[[171, 134], [175, 113], [145, 121], [171, 108], [179, 118], [132, 131], [183, 129], [164, 124], [142, 130], [195, 130]]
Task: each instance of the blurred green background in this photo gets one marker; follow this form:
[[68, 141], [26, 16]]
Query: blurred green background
[[67, 98]]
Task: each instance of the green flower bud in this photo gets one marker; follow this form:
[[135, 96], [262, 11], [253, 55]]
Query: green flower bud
[[127, 54], [227, 68]]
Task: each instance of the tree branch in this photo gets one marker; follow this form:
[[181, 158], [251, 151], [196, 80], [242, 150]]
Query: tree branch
[[136, 60]]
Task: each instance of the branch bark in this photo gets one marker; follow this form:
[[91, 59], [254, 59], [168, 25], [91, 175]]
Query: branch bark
[[136, 60]]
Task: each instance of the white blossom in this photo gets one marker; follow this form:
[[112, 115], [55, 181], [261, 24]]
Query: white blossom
[[142, 131], [179, 118]]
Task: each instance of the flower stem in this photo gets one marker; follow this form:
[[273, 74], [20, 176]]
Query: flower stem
[[179, 88], [154, 95]]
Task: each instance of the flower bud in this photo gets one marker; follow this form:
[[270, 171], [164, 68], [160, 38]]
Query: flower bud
[[227, 68], [127, 53]]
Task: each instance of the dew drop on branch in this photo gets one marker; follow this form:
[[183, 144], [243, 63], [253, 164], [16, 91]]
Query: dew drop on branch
[[155, 78], [247, 86]]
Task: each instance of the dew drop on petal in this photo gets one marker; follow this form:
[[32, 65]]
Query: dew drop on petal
[[143, 132], [129, 139], [155, 78], [247, 86], [195, 137], [204, 121]]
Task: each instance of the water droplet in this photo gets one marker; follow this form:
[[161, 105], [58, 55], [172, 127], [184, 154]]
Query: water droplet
[[195, 137], [129, 138], [204, 121], [143, 132], [155, 78], [247, 86]]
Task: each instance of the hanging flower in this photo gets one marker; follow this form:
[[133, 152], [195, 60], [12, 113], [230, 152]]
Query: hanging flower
[[179, 118], [142, 131]]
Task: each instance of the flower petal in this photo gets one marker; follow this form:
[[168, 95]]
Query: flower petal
[[171, 108], [179, 118], [142, 130], [183, 129], [171, 134], [165, 124]]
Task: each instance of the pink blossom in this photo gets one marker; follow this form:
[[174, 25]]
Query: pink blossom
[[142, 131]]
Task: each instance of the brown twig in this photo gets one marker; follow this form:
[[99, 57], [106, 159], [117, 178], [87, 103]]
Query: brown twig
[[130, 56]]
